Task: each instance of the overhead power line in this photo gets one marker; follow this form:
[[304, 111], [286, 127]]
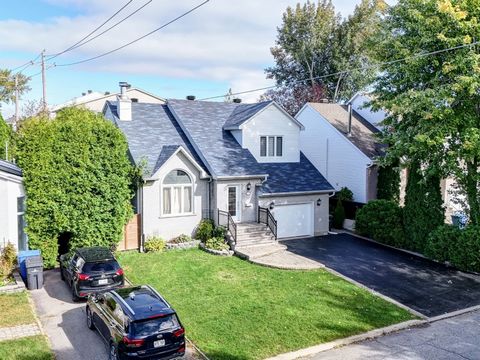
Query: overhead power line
[[386, 63], [52, 56], [111, 27], [138, 39], [25, 65]]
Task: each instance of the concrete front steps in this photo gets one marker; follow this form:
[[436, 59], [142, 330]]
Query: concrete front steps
[[255, 240]]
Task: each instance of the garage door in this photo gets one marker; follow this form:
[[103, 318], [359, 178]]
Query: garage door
[[294, 220]]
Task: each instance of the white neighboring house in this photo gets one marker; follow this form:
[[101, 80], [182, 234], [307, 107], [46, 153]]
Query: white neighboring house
[[235, 163], [340, 141], [95, 101], [12, 206]]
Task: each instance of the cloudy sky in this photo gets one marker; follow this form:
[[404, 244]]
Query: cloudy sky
[[224, 44]]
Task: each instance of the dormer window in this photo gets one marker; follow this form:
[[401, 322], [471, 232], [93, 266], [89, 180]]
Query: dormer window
[[271, 146]]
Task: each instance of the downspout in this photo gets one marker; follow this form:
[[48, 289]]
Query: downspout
[[142, 237]]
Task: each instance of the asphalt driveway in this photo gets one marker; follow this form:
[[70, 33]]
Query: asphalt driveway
[[65, 323], [425, 286]]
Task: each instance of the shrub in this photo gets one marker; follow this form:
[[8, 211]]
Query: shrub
[[382, 221], [339, 215], [461, 248], [216, 243], [154, 244], [220, 232], [345, 194], [205, 230], [181, 239], [388, 183], [8, 260]]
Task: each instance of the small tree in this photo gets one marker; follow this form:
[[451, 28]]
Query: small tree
[[6, 140], [388, 183], [77, 180], [339, 215]]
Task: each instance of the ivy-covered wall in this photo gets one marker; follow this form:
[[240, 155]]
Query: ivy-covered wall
[[77, 180]]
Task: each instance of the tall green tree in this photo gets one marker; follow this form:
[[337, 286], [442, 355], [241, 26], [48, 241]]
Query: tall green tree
[[77, 180], [6, 140], [388, 183], [314, 41], [423, 211], [433, 101], [7, 85]]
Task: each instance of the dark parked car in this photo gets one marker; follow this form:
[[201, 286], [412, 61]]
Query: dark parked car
[[137, 323], [89, 270]]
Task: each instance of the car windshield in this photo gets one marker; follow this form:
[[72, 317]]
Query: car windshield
[[106, 266], [153, 326]]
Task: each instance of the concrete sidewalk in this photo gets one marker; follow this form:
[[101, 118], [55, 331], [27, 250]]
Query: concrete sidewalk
[[452, 339], [20, 331]]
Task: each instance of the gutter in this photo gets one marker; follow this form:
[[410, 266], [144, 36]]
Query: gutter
[[242, 177], [299, 193]]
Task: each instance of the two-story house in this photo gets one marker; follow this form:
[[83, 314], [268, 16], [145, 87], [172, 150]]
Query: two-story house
[[217, 159]]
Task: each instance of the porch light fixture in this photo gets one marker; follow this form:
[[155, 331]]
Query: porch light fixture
[[319, 202], [249, 187], [272, 205]]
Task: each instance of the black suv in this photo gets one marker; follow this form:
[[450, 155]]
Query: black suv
[[137, 323], [89, 270]]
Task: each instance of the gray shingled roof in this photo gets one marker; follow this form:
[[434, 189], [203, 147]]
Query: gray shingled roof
[[153, 135], [10, 168], [363, 132], [204, 123], [242, 113]]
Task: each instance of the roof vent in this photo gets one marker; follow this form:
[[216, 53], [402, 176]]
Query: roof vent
[[89, 91], [237, 100], [324, 101], [191, 97], [107, 92], [83, 94], [135, 100]]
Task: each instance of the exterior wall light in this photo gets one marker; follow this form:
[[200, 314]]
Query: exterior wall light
[[272, 205], [319, 202], [249, 187]]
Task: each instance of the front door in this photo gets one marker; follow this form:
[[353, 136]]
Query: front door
[[234, 202]]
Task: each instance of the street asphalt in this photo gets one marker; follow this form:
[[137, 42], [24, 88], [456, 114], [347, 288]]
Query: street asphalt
[[65, 323], [456, 338], [423, 285]]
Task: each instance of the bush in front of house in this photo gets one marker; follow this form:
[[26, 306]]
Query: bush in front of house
[[461, 248], [219, 232], [205, 230], [381, 220], [180, 239], [338, 215], [345, 194], [154, 244], [8, 260], [216, 243]]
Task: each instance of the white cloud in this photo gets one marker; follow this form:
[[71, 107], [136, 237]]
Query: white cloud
[[223, 41]]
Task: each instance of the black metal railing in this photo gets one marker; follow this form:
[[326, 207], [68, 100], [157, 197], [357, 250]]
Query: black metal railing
[[225, 219], [266, 217]]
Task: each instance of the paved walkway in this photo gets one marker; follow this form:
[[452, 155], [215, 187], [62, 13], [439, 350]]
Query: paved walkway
[[65, 323], [456, 338], [286, 260], [20, 331]]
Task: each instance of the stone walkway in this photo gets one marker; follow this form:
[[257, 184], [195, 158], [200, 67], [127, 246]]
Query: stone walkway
[[20, 331]]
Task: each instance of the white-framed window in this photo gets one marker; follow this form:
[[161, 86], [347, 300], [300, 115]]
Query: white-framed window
[[271, 146], [177, 193]]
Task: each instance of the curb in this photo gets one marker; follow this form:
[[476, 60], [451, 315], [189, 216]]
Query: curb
[[347, 341]]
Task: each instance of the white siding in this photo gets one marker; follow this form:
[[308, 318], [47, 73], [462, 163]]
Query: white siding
[[11, 188], [170, 226], [358, 104], [333, 155], [272, 121]]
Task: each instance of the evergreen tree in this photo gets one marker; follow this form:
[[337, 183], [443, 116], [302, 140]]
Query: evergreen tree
[[388, 183]]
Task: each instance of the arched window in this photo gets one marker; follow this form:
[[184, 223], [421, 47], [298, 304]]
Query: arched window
[[177, 193]]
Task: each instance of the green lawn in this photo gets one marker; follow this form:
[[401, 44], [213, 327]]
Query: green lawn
[[29, 348], [233, 309], [15, 309]]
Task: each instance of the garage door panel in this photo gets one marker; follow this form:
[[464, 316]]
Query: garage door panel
[[294, 220]]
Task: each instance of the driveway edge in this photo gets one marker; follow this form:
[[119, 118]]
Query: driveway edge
[[347, 341]]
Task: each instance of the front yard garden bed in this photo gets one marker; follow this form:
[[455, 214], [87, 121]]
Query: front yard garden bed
[[233, 309]]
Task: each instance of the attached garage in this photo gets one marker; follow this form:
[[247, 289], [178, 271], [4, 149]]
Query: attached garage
[[294, 220]]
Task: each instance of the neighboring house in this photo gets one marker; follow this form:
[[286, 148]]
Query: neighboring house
[[95, 101], [340, 141], [200, 157], [12, 206]]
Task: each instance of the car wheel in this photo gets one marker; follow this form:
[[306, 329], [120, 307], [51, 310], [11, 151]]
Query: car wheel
[[90, 323], [113, 355], [75, 297]]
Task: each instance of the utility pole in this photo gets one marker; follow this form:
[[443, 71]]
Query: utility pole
[[44, 82], [16, 103]]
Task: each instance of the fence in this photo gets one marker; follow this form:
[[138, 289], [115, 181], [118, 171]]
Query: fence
[[131, 234]]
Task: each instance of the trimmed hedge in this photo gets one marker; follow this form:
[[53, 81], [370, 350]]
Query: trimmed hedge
[[461, 248], [381, 220]]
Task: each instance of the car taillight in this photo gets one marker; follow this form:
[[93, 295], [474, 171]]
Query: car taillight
[[181, 349], [133, 342], [179, 332], [119, 272], [83, 276]]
